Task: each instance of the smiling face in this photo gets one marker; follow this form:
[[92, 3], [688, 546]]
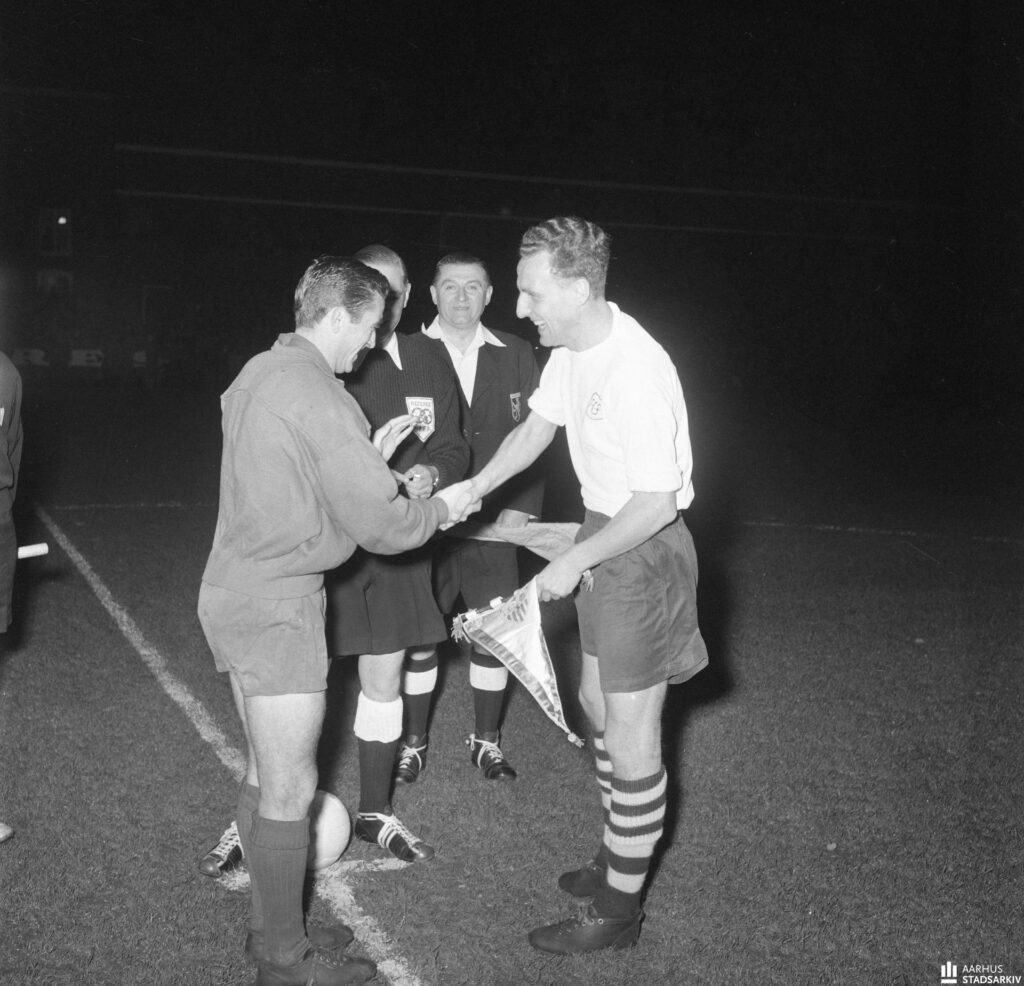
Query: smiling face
[[356, 336], [461, 293], [553, 304]]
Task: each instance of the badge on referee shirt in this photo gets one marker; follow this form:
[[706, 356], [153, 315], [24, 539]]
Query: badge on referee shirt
[[422, 409], [516, 401]]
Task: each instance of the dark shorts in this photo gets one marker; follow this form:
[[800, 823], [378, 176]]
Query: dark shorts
[[381, 604], [478, 571], [640, 619], [272, 646]]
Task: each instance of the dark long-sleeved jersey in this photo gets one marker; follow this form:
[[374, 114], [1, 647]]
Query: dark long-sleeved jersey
[[426, 387]]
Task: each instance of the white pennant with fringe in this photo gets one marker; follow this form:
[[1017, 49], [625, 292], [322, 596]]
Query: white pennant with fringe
[[510, 629]]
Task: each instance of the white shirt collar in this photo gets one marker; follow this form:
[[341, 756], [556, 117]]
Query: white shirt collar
[[483, 335], [392, 350]]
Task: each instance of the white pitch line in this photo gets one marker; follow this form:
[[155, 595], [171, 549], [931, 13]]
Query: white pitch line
[[368, 865], [178, 692], [238, 879], [331, 884]]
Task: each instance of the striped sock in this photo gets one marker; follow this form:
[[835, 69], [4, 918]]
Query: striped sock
[[635, 824], [418, 684], [604, 782]]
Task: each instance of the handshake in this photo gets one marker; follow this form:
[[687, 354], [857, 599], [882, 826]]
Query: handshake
[[462, 499]]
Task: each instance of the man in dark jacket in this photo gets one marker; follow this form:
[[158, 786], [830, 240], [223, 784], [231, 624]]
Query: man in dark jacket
[[497, 373], [381, 606]]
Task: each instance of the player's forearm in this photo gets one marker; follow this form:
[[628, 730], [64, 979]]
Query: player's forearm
[[398, 525], [362, 494], [520, 449], [640, 519]]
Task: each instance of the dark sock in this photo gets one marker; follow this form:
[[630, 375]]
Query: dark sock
[[487, 703], [278, 862], [376, 763], [612, 903], [248, 805], [417, 702]]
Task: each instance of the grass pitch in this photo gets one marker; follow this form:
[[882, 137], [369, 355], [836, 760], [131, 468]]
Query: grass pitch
[[846, 782]]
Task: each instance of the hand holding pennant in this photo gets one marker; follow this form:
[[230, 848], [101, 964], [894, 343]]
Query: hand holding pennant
[[511, 630]]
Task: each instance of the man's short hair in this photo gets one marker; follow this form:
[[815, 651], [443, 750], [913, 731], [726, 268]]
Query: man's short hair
[[377, 253], [578, 248], [337, 282], [460, 257]]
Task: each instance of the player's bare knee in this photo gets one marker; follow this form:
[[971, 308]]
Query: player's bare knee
[[630, 762], [592, 702], [288, 795], [593, 710], [380, 676], [633, 750]]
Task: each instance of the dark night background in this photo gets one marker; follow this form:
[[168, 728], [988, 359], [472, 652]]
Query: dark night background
[[890, 101], [815, 206]]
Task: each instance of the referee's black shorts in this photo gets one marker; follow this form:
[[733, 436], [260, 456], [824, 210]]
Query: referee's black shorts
[[380, 604], [478, 571]]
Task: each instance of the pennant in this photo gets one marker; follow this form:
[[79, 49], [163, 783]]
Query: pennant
[[544, 538], [510, 629]]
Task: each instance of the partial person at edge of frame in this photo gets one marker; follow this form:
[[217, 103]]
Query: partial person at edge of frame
[[10, 465]]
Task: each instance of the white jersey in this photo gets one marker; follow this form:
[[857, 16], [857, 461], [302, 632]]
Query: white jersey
[[622, 407]]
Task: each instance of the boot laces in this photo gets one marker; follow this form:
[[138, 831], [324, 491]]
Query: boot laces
[[485, 753], [228, 841], [409, 754]]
